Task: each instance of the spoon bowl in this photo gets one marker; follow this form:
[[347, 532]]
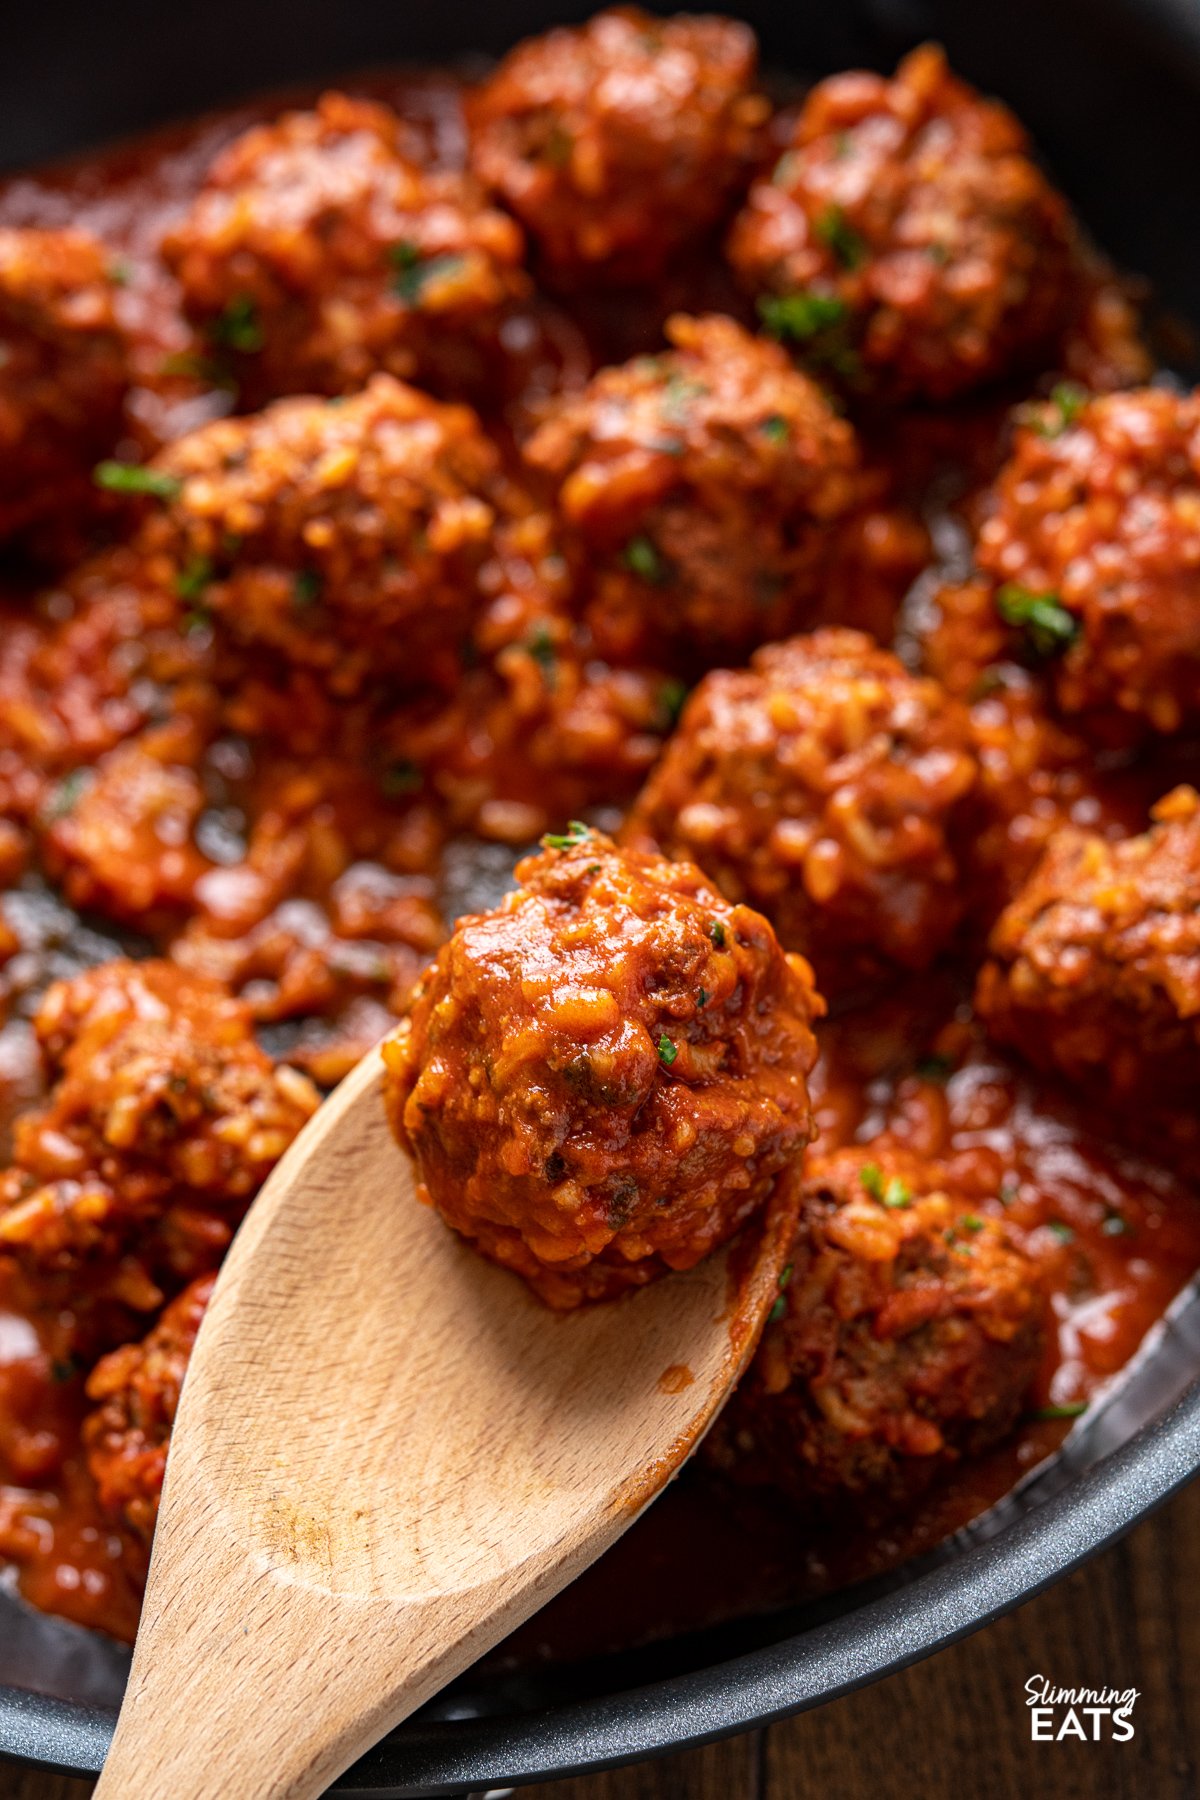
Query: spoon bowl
[[387, 1455]]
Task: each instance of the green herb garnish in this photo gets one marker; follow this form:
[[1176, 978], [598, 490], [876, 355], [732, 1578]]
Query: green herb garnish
[[935, 1068], [541, 648], [703, 998], [971, 1222], [671, 696], [641, 558], [801, 315], [716, 932], [306, 588], [136, 478], [238, 327], [1058, 414], [576, 833], [1115, 1226], [778, 1311], [775, 428], [667, 1051], [871, 1176], [1061, 1231], [193, 578], [1070, 1409], [897, 1193], [832, 229], [61, 802], [400, 778], [414, 271], [1048, 626]]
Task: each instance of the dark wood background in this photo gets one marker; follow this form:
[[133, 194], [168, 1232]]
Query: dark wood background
[[956, 1727]]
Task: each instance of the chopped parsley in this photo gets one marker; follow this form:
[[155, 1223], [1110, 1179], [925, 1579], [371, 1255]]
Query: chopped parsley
[[1061, 1231], [667, 1051], [834, 231], [64, 1369], [1010, 1187], [971, 1222], [703, 998], [400, 778], [414, 270], [61, 802], [135, 478], [541, 648], [897, 1193], [716, 932], [871, 1176], [306, 588], [576, 833], [1058, 414], [1115, 1226], [193, 578], [775, 428], [935, 1067], [641, 558], [893, 1193], [238, 327], [1048, 627], [801, 315], [780, 1307], [120, 272], [671, 696], [1069, 1409]]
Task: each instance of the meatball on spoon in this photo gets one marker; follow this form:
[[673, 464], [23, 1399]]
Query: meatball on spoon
[[388, 1451]]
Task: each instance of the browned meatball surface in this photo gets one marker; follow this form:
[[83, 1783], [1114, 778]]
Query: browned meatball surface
[[906, 242], [163, 1120], [137, 1389], [620, 141], [822, 785], [906, 1336], [344, 535], [319, 250], [1095, 966], [601, 1080], [1092, 539], [63, 369], [700, 484]]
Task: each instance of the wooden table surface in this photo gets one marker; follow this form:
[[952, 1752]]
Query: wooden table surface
[[957, 1727]]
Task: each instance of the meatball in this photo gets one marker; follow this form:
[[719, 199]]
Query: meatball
[[137, 1388], [700, 484], [1094, 968], [63, 369], [601, 1080], [906, 1337], [905, 241], [344, 536], [822, 785], [1092, 537], [163, 1120], [618, 142], [319, 251]]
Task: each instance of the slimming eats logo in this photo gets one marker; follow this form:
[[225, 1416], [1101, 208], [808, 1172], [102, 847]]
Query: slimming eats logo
[[1096, 1715]]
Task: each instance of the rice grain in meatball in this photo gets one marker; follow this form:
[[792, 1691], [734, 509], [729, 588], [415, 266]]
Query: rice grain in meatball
[[822, 785], [601, 1080], [620, 141], [906, 242], [906, 1337], [700, 485]]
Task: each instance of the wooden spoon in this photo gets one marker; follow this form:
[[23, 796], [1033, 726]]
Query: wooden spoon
[[387, 1455]]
